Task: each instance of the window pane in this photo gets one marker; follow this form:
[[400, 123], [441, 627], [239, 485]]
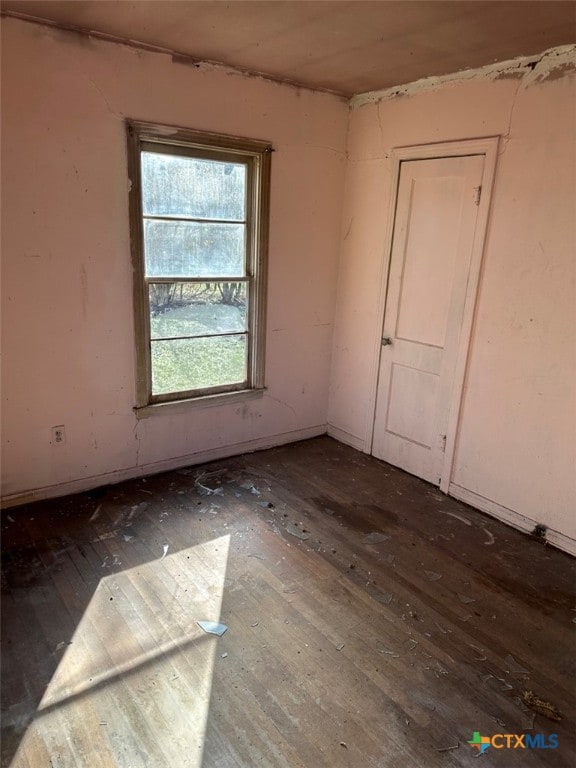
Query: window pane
[[187, 249], [193, 309], [185, 364], [185, 186]]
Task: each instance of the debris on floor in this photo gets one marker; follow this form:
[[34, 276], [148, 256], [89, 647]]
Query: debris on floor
[[295, 531], [432, 575], [465, 599], [490, 537], [212, 627], [137, 508], [540, 532], [203, 490], [164, 551], [437, 668], [480, 651], [385, 598], [339, 646], [499, 683], [447, 749], [381, 648], [541, 706], [516, 669], [248, 485], [374, 538], [457, 517], [104, 536]]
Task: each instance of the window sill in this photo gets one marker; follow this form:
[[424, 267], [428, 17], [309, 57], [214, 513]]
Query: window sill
[[206, 401]]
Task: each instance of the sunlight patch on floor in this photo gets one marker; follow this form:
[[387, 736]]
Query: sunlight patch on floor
[[137, 668]]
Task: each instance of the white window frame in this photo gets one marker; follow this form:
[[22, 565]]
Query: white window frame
[[255, 155]]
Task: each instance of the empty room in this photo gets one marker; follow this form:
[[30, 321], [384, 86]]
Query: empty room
[[288, 383]]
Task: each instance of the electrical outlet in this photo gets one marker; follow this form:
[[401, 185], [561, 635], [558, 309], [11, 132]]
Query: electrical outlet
[[58, 435]]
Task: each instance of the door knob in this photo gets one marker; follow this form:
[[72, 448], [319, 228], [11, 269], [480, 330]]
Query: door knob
[[386, 341]]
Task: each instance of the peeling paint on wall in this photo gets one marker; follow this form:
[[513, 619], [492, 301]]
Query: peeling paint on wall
[[550, 65]]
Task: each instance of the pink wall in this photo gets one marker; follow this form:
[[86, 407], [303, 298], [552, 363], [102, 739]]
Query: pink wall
[[516, 448], [68, 351], [67, 302]]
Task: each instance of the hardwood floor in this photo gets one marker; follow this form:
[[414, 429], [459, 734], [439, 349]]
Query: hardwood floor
[[371, 620]]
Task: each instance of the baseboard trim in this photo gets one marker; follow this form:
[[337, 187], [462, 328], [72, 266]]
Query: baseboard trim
[[515, 519], [345, 437], [118, 476]]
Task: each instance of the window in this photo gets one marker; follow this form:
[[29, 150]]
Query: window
[[199, 218]]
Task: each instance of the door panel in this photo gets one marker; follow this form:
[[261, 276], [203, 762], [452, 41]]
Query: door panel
[[413, 394], [431, 250], [426, 282]]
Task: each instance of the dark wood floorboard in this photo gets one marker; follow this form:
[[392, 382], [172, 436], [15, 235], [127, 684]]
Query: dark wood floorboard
[[372, 621]]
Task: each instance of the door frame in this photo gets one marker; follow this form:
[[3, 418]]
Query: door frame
[[487, 146]]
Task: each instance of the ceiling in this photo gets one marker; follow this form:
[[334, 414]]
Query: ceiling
[[346, 47]]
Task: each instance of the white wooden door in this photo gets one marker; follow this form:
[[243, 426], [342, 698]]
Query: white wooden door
[[434, 228]]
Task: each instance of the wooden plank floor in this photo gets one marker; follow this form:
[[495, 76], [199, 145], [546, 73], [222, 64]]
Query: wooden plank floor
[[372, 621]]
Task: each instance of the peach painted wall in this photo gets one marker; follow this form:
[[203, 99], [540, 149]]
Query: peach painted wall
[[517, 437], [68, 349]]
